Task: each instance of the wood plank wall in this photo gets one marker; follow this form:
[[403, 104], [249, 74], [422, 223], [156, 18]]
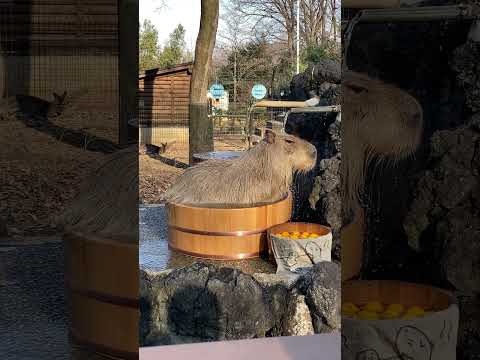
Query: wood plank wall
[[165, 98]]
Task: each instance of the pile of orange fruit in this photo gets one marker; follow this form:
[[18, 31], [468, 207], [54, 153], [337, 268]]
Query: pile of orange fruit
[[375, 310], [296, 235]]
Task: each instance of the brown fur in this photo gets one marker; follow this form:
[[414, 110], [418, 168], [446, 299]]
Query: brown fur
[[380, 122], [261, 175]]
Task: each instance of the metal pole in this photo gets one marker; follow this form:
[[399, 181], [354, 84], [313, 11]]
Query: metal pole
[[298, 37]]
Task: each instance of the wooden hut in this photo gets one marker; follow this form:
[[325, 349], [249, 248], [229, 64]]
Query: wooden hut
[[164, 95], [163, 103]]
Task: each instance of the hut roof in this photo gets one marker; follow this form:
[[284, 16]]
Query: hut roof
[[165, 71]]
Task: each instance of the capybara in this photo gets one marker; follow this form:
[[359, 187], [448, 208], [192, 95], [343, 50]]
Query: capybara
[[381, 122], [262, 174]]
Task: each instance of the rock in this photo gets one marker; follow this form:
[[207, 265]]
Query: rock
[[316, 129], [270, 280], [310, 81], [465, 64], [325, 197], [203, 303], [334, 131], [322, 289], [469, 327], [461, 253], [446, 205], [330, 94], [326, 70], [298, 321]]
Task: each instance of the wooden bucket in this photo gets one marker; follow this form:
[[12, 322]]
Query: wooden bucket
[[292, 227], [224, 234], [390, 292], [433, 336], [352, 239], [102, 279]]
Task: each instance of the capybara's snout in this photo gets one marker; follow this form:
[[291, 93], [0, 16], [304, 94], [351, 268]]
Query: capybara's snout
[[307, 157]]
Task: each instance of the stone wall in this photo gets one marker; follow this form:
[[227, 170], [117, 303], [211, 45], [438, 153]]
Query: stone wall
[[203, 303], [317, 194], [422, 215]]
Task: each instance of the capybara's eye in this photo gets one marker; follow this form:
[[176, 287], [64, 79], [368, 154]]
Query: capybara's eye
[[289, 141]]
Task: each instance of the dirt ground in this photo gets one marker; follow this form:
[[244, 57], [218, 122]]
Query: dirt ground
[[155, 178], [158, 173], [38, 175]]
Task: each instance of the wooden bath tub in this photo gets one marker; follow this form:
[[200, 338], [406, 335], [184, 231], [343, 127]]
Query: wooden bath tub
[[101, 276], [224, 234]]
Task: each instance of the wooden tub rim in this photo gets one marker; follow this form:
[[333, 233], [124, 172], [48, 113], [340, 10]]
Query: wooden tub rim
[[451, 307], [405, 283], [270, 230], [184, 206], [99, 239]]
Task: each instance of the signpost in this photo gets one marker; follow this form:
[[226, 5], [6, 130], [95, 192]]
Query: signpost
[[217, 91], [259, 91]]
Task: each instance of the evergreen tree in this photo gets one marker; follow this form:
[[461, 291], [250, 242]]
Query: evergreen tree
[[148, 46], [174, 51]]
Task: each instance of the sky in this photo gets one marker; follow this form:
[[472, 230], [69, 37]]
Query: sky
[[185, 12]]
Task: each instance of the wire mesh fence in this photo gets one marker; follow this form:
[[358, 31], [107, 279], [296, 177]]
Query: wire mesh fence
[[166, 123], [48, 47], [51, 145]]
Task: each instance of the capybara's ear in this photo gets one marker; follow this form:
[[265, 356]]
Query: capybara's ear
[[270, 136]]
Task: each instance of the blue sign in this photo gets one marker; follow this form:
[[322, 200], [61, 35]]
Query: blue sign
[[259, 91], [217, 91]]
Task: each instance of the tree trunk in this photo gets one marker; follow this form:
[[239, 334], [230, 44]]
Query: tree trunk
[[201, 128], [291, 47]]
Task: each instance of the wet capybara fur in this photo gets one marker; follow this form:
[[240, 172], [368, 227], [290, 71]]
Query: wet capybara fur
[[381, 123], [261, 175]]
